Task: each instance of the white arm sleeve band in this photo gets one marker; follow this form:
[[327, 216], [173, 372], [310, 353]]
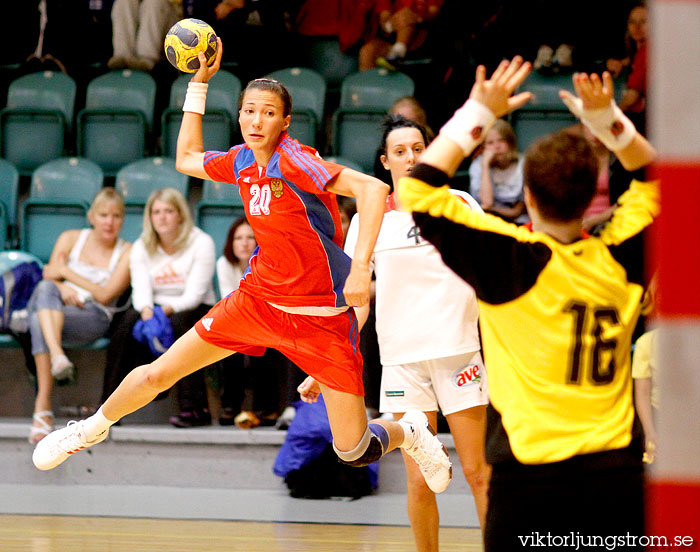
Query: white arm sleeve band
[[196, 97], [469, 125], [609, 124]]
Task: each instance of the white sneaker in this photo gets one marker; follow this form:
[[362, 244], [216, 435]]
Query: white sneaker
[[58, 445], [544, 58], [285, 419], [428, 452]]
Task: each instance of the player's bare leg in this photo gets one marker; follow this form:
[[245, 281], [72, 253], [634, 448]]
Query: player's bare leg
[[188, 354], [420, 503], [468, 429]]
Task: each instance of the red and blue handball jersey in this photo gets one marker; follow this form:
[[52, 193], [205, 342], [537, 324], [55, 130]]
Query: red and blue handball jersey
[[299, 261]]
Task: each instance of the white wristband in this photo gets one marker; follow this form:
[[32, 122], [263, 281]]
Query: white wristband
[[196, 97], [469, 125], [609, 124]]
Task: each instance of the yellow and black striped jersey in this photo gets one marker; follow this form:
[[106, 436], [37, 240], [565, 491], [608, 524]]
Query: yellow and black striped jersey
[[557, 320]]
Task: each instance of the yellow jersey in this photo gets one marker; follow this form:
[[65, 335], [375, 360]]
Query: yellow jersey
[[557, 321]]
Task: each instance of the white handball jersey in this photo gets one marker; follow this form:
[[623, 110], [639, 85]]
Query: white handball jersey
[[424, 310]]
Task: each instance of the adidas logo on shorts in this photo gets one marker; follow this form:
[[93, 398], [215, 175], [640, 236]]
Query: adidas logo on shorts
[[206, 322]]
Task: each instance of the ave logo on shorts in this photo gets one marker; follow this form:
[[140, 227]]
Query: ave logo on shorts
[[467, 375]]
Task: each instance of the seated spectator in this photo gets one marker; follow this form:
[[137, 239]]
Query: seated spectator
[[73, 305], [138, 30], [601, 208], [613, 181], [555, 24], [635, 36], [633, 102], [248, 391], [403, 27], [172, 268], [496, 176], [241, 23]]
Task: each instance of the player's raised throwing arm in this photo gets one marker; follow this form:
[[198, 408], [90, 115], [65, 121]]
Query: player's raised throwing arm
[[190, 144]]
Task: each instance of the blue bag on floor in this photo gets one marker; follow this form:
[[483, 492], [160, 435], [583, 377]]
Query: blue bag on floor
[[156, 332], [20, 272], [309, 464]]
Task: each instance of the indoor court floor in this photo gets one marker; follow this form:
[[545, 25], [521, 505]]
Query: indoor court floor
[[95, 534]]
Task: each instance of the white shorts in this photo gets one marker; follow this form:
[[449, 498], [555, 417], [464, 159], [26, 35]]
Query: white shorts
[[453, 383]]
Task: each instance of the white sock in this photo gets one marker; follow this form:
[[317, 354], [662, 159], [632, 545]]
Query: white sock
[[409, 435], [96, 425], [398, 50]]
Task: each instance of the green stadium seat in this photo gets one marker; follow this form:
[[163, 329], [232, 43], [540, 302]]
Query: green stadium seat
[[39, 111], [545, 112], [308, 90], [221, 204], [9, 193], [67, 178], [376, 88], [60, 194], [43, 220], [324, 56], [3, 228], [220, 121], [306, 86], [365, 98], [137, 180], [115, 126], [357, 135]]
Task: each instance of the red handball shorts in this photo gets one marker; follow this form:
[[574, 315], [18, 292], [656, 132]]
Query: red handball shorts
[[325, 347]]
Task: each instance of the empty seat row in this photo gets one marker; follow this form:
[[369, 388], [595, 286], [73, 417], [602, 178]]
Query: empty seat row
[[118, 121]]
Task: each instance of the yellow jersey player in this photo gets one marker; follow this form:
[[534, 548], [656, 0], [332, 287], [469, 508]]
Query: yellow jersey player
[[558, 309]]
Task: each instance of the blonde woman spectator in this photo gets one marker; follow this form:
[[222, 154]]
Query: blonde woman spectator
[[172, 268], [74, 303]]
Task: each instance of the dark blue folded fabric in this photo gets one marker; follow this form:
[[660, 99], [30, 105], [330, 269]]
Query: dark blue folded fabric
[[156, 332]]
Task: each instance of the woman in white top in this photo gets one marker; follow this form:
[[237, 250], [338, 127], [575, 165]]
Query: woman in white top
[[73, 305], [172, 266], [427, 326], [496, 176], [239, 246]]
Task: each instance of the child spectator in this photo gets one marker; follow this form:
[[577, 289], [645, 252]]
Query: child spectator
[[402, 28], [496, 176]]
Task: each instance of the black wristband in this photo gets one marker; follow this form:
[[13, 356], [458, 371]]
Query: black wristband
[[430, 175]]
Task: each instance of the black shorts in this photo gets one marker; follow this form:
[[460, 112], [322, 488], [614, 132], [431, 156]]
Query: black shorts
[[586, 503]]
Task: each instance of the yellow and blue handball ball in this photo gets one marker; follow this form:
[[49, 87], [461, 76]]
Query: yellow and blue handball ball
[[185, 40]]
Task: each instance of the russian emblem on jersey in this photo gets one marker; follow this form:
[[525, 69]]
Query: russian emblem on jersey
[[476, 132], [277, 187], [467, 375]]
